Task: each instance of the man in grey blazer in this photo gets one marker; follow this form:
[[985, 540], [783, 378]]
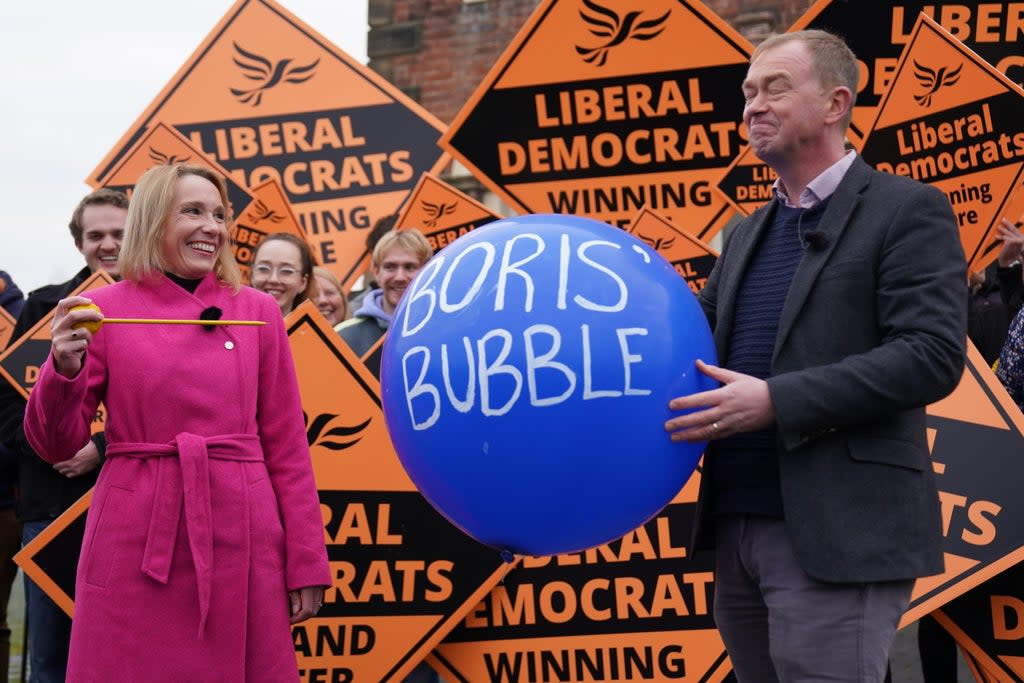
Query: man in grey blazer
[[839, 314]]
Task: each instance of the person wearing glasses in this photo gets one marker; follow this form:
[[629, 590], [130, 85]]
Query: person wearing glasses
[[283, 268]]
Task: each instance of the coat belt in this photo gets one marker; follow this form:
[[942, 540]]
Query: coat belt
[[186, 489]]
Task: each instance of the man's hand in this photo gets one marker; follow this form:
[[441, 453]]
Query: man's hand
[[85, 461], [741, 404]]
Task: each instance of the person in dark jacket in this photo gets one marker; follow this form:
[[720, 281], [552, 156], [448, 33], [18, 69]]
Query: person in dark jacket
[[996, 294], [12, 300], [45, 491]]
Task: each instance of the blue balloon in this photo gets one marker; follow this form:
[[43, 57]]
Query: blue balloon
[[526, 378]]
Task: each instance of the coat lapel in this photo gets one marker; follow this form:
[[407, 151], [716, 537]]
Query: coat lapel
[[840, 210]]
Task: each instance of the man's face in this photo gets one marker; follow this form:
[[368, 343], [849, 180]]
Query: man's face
[[785, 104], [102, 232], [397, 268]]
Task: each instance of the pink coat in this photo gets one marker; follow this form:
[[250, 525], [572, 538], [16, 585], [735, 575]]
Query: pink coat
[[205, 513]]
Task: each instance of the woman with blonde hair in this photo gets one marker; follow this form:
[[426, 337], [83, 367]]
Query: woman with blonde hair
[[330, 298], [203, 543]]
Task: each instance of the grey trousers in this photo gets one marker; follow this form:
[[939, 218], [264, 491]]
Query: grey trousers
[[779, 624]]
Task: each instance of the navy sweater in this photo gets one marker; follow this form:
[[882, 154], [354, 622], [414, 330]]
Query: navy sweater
[[745, 467]]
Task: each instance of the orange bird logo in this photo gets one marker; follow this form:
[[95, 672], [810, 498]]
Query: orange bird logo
[[436, 211], [932, 80], [334, 438], [615, 30], [267, 74], [260, 212], [166, 159], [658, 243]]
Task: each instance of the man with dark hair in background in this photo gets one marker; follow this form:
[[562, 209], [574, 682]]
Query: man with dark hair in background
[[12, 301], [45, 491]]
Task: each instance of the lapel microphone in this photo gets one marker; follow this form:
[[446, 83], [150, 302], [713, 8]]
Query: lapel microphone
[[211, 313]]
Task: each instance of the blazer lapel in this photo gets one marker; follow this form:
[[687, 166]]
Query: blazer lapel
[[840, 210]]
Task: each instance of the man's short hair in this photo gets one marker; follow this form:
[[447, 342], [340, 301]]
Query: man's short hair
[[410, 239], [832, 60], [97, 198]]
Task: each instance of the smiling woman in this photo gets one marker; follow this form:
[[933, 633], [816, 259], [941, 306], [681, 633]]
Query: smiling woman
[[283, 268], [207, 512]]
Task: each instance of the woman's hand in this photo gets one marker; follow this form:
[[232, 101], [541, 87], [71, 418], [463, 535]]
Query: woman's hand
[[305, 603], [70, 342]]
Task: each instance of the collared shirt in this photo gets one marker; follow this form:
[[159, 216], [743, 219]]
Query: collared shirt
[[821, 187]]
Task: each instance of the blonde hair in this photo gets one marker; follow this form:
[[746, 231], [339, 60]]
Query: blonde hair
[[320, 271], [409, 239], [151, 203]]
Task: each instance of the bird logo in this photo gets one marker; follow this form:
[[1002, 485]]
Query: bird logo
[[166, 159], [615, 30], [934, 79], [267, 74], [260, 212], [336, 438], [436, 211], [659, 243]]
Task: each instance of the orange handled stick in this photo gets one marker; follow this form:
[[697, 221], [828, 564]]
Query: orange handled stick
[[94, 326]]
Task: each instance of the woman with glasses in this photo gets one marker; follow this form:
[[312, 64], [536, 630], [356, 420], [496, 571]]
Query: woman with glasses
[[282, 266]]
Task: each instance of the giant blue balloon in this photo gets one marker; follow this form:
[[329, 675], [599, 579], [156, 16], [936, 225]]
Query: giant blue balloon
[[526, 379]]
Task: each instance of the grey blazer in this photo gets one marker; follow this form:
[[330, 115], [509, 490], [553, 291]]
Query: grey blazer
[[873, 329]]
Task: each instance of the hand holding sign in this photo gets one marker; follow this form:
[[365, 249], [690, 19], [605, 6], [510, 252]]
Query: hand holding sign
[[526, 378]]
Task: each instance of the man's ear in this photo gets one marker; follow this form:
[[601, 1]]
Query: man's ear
[[839, 102]]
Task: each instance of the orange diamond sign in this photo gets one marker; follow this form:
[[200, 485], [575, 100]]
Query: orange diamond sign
[[952, 120], [602, 107], [269, 98], [441, 212]]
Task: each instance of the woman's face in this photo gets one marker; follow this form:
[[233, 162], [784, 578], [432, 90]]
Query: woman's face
[[330, 300], [195, 230], [277, 270]]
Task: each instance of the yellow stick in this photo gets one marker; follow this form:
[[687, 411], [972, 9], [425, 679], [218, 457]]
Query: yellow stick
[[158, 321]]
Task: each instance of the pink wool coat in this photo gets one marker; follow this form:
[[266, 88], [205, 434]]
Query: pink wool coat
[[205, 513]]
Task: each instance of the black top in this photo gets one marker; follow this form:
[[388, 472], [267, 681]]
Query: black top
[[43, 493]]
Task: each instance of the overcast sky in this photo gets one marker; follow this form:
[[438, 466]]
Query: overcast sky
[[76, 75]]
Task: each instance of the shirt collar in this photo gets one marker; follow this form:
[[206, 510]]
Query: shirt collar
[[819, 189]]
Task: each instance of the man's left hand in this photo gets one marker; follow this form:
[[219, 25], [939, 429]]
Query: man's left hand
[[741, 404]]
